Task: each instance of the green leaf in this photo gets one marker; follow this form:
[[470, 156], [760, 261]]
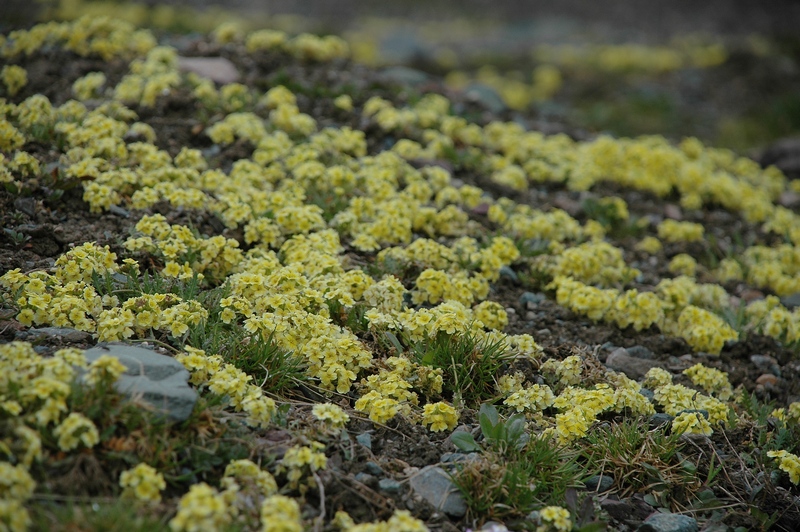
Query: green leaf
[[464, 441]]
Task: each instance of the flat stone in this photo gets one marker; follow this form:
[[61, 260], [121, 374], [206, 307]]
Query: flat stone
[[508, 273], [434, 485], [389, 485], [530, 300], [486, 96], [766, 364], [374, 469], [767, 379], [65, 334], [669, 523], [217, 69], [659, 420], [626, 510], [791, 301], [599, 483], [158, 380], [640, 351], [403, 76], [634, 368], [365, 439]]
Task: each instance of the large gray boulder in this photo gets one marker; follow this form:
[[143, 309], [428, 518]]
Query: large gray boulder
[[158, 380]]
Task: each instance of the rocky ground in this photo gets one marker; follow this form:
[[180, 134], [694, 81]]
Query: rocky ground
[[380, 468]]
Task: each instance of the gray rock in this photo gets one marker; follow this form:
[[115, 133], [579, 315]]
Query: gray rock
[[626, 510], [403, 76], [367, 480], [508, 273], [599, 483], [158, 380], [634, 368], [486, 96], [365, 439], [374, 469], [648, 393], [65, 334], [669, 523], [217, 69], [530, 300], [389, 485], [640, 351], [659, 420], [766, 364], [791, 301], [449, 458], [433, 484]]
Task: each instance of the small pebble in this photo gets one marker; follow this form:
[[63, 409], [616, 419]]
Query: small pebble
[[767, 379]]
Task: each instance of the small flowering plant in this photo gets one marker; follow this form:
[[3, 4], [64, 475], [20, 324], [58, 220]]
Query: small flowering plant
[[142, 483]]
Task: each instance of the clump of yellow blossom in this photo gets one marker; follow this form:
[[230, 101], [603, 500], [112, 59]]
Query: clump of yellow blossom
[[202, 508], [440, 416], [691, 423], [280, 514], [788, 463], [673, 231], [14, 78], [332, 415], [299, 461], [649, 244], [713, 381], [554, 519], [105, 369], [143, 483], [76, 429]]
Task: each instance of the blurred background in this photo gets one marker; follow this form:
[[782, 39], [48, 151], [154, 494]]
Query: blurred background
[[727, 72]]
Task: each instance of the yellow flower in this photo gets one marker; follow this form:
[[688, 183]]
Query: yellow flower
[[143, 482], [440, 416], [76, 429], [203, 508], [788, 463]]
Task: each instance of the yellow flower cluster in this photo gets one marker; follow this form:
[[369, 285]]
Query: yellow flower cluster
[[243, 474], [594, 263], [674, 399], [579, 409], [280, 514], [74, 430], [691, 423], [300, 461], [567, 371], [149, 78], [532, 399], [703, 330], [674, 231], [86, 36], [788, 463], [554, 518], [14, 78], [628, 57], [225, 379], [143, 483], [87, 87], [202, 508], [401, 521], [769, 317], [777, 268], [683, 264], [332, 415], [713, 381], [105, 369], [16, 487], [440, 416]]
